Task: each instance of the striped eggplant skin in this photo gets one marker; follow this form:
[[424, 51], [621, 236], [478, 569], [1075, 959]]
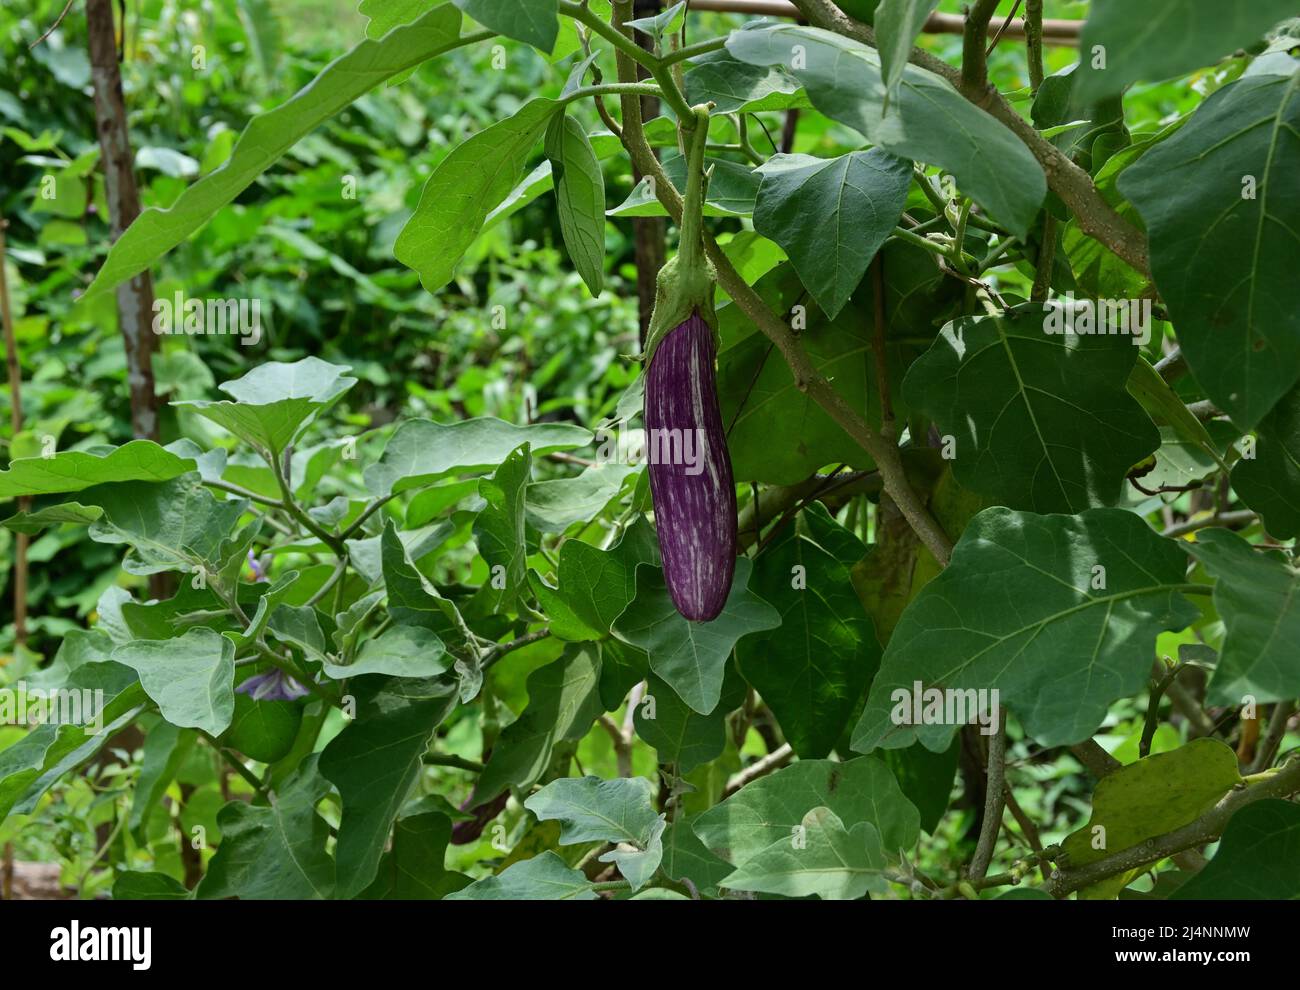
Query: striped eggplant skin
[[692, 487]]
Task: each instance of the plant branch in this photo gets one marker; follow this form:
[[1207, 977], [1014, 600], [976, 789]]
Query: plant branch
[[1207, 828], [974, 60], [994, 802]]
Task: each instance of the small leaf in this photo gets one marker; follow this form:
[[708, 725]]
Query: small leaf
[[898, 24], [400, 651], [499, 530], [545, 877], [579, 196], [535, 22], [825, 858]]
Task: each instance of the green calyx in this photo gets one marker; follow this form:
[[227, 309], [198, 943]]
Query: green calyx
[[685, 283]]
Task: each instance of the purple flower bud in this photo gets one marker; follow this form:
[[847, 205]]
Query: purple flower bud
[[274, 685]]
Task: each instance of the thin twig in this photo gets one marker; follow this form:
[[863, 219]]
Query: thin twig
[[994, 802]]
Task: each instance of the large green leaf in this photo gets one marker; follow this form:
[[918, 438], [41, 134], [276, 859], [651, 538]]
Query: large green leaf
[[1269, 482], [929, 121], [499, 529], [545, 877], [556, 504], [191, 677], [374, 762], [464, 188], [620, 811], [1224, 222], [814, 668], [421, 451], [898, 24], [269, 135], [1149, 798], [1258, 858], [536, 22], [692, 656], [686, 859], [1042, 421], [169, 525], [1257, 594], [831, 215], [74, 470], [563, 701], [165, 749], [822, 857], [275, 852], [579, 196], [1157, 39], [275, 401], [767, 810], [1058, 613]]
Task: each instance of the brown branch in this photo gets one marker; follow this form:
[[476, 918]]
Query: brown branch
[[994, 802], [1095, 760], [1072, 184], [974, 61], [16, 423], [774, 760], [1205, 829]]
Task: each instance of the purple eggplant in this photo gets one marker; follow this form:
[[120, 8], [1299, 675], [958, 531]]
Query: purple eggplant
[[690, 470]]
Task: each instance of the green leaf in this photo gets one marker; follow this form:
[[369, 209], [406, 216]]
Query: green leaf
[[411, 598], [1059, 613], [269, 135], [926, 779], [599, 584], [499, 530], [401, 651], [1257, 594], [898, 25], [579, 196], [276, 401], [374, 762], [1223, 221], [74, 470], [170, 525], [553, 506], [422, 452], [692, 656], [545, 877], [1258, 858], [535, 22], [464, 188], [657, 24], [165, 749], [740, 87], [619, 811], [1164, 38], [1163, 404], [929, 121], [680, 735], [1042, 420], [414, 870], [275, 852], [563, 701], [831, 215], [686, 858], [822, 858], [766, 811], [132, 885], [1269, 482], [1149, 798], [191, 678], [74, 513], [814, 668]]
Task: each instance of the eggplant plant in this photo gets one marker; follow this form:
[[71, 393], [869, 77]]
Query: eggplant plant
[[963, 522]]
